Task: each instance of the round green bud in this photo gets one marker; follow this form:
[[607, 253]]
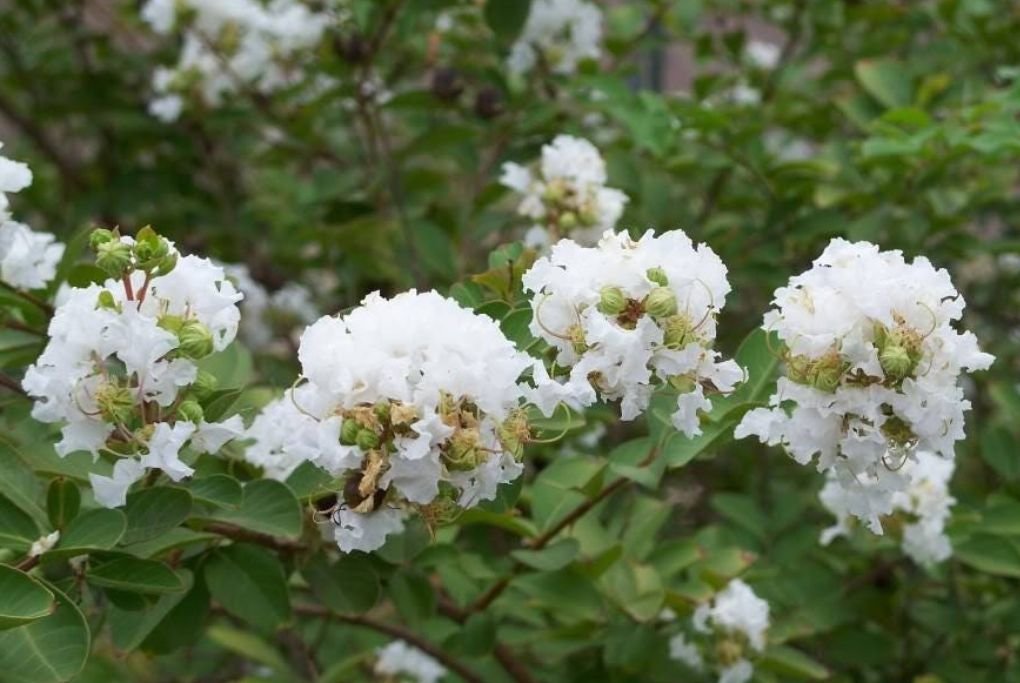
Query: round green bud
[[114, 258], [827, 373], [150, 249], [567, 220], [190, 411], [589, 215], [896, 362], [195, 340], [464, 450], [661, 302], [728, 652], [170, 323], [553, 192], [349, 432], [658, 276], [99, 237], [204, 385], [382, 411], [115, 403], [678, 332], [106, 301], [166, 264], [612, 300], [367, 439]]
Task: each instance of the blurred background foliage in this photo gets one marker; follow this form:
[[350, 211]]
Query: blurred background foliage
[[893, 122]]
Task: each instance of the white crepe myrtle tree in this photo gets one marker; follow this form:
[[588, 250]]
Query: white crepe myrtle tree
[[425, 342]]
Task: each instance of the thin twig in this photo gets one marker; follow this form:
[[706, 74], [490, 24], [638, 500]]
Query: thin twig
[[398, 632], [30, 298], [246, 535], [8, 383]]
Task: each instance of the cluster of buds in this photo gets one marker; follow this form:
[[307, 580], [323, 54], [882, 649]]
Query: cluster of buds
[[147, 252]]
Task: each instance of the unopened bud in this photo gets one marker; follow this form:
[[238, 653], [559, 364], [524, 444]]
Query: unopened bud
[[367, 439], [728, 652], [678, 332], [190, 411], [553, 192], [612, 300], [349, 432], [195, 340], [567, 220], [113, 258], [463, 451], [99, 237], [166, 264], [382, 411], [658, 276], [661, 302], [150, 248], [115, 403], [204, 385], [896, 362]]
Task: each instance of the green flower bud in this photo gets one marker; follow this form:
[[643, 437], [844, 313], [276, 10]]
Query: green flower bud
[[190, 411], [464, 450], [514, 432], [567, 220], [150, 248], [828, 377], [170, 323], [195, 339], [678, 332], [553, 192], [349, 432], [612, 300], [682, 383], [577, 340], [589, 215], [896, 362], [168, 263], [728, 652], [367, 439], [99, 237], [115, 403], [382, 411], [106, 301], [114, 258], [204, 385], [661, 302], [658, 276]]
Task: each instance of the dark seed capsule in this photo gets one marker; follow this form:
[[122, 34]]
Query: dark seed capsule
[[353, 497], [326, 503], [488, 103], [446, 83]]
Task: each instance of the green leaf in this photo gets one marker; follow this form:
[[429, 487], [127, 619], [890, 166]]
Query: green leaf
[[218, 489], [506, 17], [17, 529], [85, 274], [152, 512], [249, 646], [22, 598], [999, 449], [268, 507], [350, 584], [787, 661], [172, 539], [19, 484], [413, 596], [233, 367], [991, 554], [135, 575], [550, 558], [741, 510], [250, 583], [50, 650], [99, 529], [631, 460], [885, 80], [63, 500], [129, 628]]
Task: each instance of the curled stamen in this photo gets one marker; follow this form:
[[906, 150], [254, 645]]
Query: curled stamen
[[561, 434], [538, 320], [293, 399]]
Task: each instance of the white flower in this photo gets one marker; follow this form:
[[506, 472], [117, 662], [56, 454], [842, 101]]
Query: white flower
[[566, 194], [559, 34], [685, 651], [266, 317], [735, 610], [925, 501], [763, 55], [28, 259], [229, 46], [405, 396], [210, 437], [14, 177], [164, 447], [400, 659], [738, 672], [628, 316], [44, 544], [111, 492], [366, 531], [873, 367]]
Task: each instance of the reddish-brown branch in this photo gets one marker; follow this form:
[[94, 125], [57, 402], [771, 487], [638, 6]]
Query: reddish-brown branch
[[236, 533]]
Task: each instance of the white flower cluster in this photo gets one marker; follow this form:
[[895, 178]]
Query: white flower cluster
[[405, 663], [558, 34], [737, 621], [925, 502], [413, 402], [626, 316], [566, 195], [118, 372], [231, 45], [267, 318], [28, 259], [872, 371]]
